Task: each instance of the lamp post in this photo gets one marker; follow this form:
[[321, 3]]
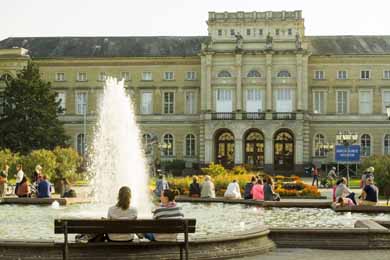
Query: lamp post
[[347, 138]]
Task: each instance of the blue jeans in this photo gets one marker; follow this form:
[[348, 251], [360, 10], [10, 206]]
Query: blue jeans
[[315, 179], [150, 236]]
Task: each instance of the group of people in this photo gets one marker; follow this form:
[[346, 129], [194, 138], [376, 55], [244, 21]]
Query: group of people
[[261, 189]]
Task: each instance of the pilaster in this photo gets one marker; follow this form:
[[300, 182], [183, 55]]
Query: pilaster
[[208, 82], [299, 98], [269, 81], [238, 82]]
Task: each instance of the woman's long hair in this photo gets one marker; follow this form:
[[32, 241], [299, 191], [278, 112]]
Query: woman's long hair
[[124, 197]]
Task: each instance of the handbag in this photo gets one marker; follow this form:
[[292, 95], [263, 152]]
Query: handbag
[[2, 180]]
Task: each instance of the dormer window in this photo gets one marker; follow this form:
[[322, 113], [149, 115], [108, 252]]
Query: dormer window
[[254, 74], [224, 74], [284, 74]]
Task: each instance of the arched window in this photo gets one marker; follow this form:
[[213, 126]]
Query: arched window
[[80, 143], [190, 145], [167, 146], [146, 141], [319, 141], [254, 74], [224, 74], [365, 144], [386, 144], [224, 147], [5, 76], [284, 74]]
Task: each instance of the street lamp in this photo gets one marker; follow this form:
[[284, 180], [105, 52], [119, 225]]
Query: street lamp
[[347, 138]]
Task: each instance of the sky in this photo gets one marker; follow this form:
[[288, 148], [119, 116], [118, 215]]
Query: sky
[[28, 18]]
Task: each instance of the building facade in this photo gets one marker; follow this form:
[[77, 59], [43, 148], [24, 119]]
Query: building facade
[[256, 90]]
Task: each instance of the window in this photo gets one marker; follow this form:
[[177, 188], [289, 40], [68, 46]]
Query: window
[[168, 75], [125, 75], [224, 74], [284, 74], [319, 140], [248, 32], [147, 75], [254, 74], [191, 75], [260, 31], [81, 103], [167, 149], [80, 144], [102, 76], [385, 99], [365, 144], [219, 32], [319, 75], [386, 145], [277, 31], [284, 100], [365, 74], [169, 102], [341, 102], [289, 31], [365, 102], [232, 33], [60, 76], [319, 102], [224, 100], [253, 100], [146, 103], [342, 74], [190, 102], [82, 76], [62, 99], [386, 74], [190, 145]]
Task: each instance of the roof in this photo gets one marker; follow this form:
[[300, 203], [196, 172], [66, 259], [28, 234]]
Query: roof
[[95, 47], [176, 46], [324, 45]]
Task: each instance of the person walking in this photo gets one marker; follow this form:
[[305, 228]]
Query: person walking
[[4, 180], [315, 174]]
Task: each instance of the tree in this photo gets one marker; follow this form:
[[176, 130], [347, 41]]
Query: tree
[[30, 114]]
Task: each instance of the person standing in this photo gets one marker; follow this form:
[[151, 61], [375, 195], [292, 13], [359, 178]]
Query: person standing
[[19, 176], [4, 180], [208, 189], [315, 174]]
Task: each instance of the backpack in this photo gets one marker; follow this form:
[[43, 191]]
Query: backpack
[[248, 190]]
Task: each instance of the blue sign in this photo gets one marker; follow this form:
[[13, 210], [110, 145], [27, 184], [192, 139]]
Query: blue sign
[[347, 153]]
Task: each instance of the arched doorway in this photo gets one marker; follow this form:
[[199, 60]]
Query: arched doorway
[[283, 150], [254, 148], [224, 148]]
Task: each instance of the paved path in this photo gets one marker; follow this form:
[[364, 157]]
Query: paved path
[[319, 254]]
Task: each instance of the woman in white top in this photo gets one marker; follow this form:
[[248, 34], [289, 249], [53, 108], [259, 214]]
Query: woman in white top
[[233, 191], [122, 210]]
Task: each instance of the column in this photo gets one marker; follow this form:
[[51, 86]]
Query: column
[[299, 82], [208, 153], [268, 152], [237, 151], [238, 82], [305, 88], [269, 82], [208, 82]]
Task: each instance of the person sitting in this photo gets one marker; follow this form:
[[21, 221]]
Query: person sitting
[[248, 188], [194, 188], [167, 210], [208, 189], [36, 174], [23, 190], [67, 191], [369, 193], [342, 202], [343, 191], [122, 210], [44, 188], [268, 187], [233, 191], [258, 190]]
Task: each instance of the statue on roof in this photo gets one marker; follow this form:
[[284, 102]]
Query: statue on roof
[[268, 41], [298, 42], [239, 40]]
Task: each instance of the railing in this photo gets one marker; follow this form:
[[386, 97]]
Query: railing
[[284, 116], [223, 116], [253, 116]]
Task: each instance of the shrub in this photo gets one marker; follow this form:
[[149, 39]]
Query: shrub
[[381, 165], [67, 163], [45, 158], [214, 170], [239, 170], [293, 185], [6, 156]]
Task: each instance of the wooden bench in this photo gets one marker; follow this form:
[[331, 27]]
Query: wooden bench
[[103, 226]]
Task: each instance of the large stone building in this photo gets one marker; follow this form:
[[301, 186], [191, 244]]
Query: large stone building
[[256, 90]]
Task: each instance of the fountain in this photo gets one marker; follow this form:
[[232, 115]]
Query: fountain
[[117, 157]]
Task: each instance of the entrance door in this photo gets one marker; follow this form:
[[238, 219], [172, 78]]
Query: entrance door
[[224, 148], [254, 149], [283, 150]]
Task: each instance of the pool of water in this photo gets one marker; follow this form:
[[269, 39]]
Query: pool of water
[[30, 222]]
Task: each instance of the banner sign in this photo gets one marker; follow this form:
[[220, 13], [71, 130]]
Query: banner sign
[[347, 153]]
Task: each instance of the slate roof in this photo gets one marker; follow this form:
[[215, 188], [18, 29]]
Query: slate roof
[[83, 47], [175, 46]]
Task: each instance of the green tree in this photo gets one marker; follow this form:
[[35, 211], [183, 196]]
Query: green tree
[[45, 158], [30, 114]]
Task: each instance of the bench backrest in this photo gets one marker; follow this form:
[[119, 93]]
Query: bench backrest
[[99, 226]]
